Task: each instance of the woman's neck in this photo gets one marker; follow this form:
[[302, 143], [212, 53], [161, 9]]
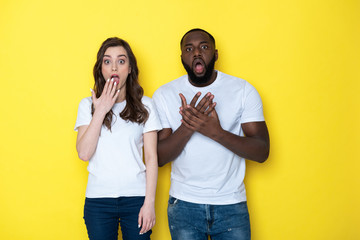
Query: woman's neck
[[121, 97]]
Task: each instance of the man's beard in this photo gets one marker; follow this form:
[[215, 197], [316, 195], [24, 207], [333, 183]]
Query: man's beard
[[209, 69]]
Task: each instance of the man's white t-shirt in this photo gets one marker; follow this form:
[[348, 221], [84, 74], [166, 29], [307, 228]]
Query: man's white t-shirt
[[117, 169], [206, 172]]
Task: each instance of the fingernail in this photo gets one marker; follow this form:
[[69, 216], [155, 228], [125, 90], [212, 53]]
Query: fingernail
[[139, 226], [141, 233], [114, 83], [112, 79], [91, 90], [108, 79]]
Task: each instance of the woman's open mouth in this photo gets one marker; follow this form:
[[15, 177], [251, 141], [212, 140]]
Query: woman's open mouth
[[115, 78]]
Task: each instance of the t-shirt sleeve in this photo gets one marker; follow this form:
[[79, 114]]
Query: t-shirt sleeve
[[161, 109], [253, 107], [84, 113], [153, 123]]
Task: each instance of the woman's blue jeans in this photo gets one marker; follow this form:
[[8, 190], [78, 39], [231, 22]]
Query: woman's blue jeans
[[193, 221], [103, 215]]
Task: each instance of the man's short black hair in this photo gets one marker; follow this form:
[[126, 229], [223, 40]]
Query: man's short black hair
[[195, 30]]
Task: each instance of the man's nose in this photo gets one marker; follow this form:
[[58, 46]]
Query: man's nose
[[197, 52]]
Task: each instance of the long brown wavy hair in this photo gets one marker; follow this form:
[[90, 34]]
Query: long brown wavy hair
[[134, 110]]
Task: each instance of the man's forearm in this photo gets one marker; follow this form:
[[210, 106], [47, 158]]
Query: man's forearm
[[170, 146], [252, 148]]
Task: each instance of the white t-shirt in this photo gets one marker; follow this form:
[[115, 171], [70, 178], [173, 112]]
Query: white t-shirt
[[117, 168], [206, 172]]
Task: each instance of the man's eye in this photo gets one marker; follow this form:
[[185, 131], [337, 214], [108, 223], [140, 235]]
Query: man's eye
[[188, 49], [204, 47]]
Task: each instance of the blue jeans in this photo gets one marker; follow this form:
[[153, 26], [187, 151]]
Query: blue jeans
[[102, 217], [193, 221]]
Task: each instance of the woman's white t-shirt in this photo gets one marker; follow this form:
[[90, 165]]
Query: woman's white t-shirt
[[117, 169]]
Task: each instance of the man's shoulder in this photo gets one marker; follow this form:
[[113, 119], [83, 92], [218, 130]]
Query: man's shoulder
[[228, 77], [234, 82]]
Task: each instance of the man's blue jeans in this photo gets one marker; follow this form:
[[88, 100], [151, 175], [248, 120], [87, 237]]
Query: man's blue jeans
[[102, 217], [193, 221]]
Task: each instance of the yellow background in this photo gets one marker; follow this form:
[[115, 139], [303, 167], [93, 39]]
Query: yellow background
[[302, 56]]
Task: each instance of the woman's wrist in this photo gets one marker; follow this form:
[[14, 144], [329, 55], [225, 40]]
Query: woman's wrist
[[99, 114], [149, 201]]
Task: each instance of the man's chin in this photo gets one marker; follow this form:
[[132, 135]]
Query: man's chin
[[199, 75], [197, 78]]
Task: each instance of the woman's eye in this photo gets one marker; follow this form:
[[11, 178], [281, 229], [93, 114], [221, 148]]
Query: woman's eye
[[106, 61], [121, 61]]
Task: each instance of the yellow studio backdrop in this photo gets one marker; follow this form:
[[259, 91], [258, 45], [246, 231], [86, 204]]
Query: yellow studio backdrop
[[302, 56]]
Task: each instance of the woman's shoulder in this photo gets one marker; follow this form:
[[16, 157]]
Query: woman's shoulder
[[146, 100], [86, 101]]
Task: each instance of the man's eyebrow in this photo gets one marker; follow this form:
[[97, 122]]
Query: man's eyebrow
[[190, 44]]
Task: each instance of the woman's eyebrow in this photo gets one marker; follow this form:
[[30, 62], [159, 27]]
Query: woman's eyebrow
[[121, 55]]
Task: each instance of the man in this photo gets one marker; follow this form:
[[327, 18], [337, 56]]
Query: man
[[207, 143]]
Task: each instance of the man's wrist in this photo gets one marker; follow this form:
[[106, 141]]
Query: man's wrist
[[186, 131]]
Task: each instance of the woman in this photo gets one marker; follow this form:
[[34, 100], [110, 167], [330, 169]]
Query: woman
[[114, 126]]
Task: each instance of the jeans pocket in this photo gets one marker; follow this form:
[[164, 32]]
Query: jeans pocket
[[172, 201]]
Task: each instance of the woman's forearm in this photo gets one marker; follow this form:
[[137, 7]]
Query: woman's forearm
[[150, 150], [88, 137]]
